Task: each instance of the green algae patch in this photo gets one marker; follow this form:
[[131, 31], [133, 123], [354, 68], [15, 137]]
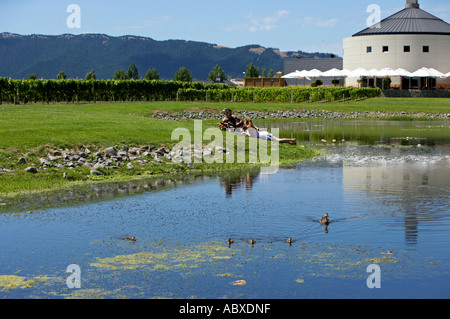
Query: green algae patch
[[13, 282], [132, 261], [169, 259], [379, 260]]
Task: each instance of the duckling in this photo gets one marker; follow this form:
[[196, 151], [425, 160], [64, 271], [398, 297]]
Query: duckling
[[325, 219], [252, 241], [130, 238], [230, 241]]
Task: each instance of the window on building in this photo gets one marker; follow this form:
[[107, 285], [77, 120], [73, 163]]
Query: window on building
[[369, 49], [426, 49], [385, 48], [406, 48]]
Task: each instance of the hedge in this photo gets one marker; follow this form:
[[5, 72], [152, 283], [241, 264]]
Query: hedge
[[23, 91], [46, 91], [284, 94]]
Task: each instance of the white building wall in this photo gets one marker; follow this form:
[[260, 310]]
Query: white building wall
[[438, 57]]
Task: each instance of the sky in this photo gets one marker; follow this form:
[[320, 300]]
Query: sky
[[288, 25]]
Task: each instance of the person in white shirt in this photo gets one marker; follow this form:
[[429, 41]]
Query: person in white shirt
[[252, 131]]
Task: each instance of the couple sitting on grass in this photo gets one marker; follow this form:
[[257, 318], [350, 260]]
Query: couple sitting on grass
[[248, 128]]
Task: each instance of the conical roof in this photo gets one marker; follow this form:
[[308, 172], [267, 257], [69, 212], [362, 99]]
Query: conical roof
[[411, 20]]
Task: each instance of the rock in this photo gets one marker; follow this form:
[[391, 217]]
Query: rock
[[130, 166], [111, 151], [31, 170], [99, 165], [44, 162], [22, 160], [96, 172], [133, 150]]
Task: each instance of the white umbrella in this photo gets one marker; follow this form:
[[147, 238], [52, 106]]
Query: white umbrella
[[298, 75], [334, 73], [359, 72], [314, 73], [386, 72], [292, 75], [403, 72], [427, 73]]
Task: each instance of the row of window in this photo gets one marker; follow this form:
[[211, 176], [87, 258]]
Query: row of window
[[406, 48]]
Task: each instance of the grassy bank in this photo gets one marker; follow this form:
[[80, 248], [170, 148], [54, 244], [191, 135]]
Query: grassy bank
[[32, 130]]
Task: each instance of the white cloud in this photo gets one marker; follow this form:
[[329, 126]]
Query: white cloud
[[259, 23]]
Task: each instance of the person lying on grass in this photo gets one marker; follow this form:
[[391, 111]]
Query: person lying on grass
[[252, 131], [231, 121]]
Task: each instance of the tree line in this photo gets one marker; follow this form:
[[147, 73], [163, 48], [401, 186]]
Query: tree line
[[183, 74], [70, 91]]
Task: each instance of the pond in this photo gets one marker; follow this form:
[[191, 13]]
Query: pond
[[386, 189]]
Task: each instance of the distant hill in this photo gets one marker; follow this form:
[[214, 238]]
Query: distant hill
[[76, 55]]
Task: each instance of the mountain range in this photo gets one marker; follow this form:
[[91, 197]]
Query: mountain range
[[76, 55]]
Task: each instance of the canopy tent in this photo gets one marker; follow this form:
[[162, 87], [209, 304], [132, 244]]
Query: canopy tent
[[427, 73]]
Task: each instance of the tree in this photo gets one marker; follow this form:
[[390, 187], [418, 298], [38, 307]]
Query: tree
[[252, 71], [216, 74], [152, 75], [120, 75], [271, 73], [33, 76], [133, 72], [61, 76], [183, 74], [90, 76], [263, 73]]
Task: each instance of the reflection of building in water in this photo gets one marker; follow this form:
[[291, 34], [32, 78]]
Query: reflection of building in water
[[236, 181], [404, 188]]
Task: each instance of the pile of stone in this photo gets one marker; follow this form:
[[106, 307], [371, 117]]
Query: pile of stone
[[109, 158], [114, 157]]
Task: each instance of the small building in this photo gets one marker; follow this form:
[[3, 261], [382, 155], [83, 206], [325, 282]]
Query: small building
[[409, 39]]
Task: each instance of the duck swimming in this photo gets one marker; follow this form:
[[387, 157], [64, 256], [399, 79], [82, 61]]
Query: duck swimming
[[325, 219], [252, 241], [289, 241], [130, 238], [230, 241]]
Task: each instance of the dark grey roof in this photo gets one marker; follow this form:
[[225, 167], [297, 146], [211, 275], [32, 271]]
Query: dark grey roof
[[409, 21]]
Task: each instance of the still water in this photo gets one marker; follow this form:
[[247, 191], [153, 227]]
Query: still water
[[386, 189]]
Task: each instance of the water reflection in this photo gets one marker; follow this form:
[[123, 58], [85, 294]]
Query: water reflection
[[232, 182]]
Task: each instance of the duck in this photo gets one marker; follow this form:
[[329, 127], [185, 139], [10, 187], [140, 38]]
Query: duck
[[130, 238], [289, 241], [325, 219], [230, 241], [252, 241]]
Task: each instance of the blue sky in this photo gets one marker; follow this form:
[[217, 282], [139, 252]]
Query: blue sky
[[288, 25]]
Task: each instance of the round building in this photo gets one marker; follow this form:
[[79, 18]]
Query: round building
[[409, 39]]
